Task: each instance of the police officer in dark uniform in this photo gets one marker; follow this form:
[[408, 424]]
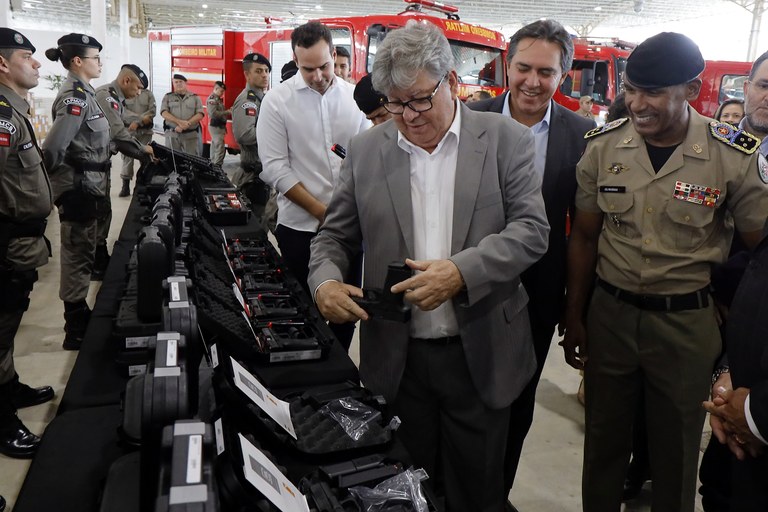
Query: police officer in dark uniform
[[245, 114], [111, 98], [77, 156], [658, 197], [25, 202]]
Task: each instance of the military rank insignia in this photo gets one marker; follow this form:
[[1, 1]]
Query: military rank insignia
[[697, 194], [762, 168], [734, 137], [605, 128], [617, 168]]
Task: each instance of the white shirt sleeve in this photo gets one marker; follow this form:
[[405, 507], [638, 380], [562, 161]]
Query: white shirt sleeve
[[751, 422], [272, 138]]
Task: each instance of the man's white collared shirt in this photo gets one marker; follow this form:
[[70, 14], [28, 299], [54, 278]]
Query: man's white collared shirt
[[433, 177], [296, 129]]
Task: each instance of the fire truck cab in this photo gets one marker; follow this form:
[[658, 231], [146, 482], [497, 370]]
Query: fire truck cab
[[207, 54], [721, 80], [597, 71]]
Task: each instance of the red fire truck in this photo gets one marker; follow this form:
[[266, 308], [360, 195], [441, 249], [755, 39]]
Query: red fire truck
[[721, 80], [597, 71], [207, 54]]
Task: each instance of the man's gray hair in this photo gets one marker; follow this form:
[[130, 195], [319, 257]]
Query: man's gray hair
[[406, 52]]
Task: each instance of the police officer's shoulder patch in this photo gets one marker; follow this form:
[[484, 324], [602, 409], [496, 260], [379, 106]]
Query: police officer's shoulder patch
[[607, 127], [734, 137], [762, 168], [78, 90], [251, 95], [6, 110]]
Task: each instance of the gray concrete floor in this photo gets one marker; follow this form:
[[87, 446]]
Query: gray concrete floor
[[549, 477]]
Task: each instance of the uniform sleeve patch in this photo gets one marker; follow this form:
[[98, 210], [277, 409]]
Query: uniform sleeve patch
[[734, 137], [7, 125], [75, 110], [75, 101], [250, 108], [762, 168], [607, 127], [113, 103], [5, 139]]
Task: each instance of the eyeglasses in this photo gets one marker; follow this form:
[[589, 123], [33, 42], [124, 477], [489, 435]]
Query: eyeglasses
[[97, 58], [417, 104]]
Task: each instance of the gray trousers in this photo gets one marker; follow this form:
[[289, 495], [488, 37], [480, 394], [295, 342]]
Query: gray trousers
[[126, 172], [78, 244], [104, 220], [667, 355], [185, 142], [217, 144]]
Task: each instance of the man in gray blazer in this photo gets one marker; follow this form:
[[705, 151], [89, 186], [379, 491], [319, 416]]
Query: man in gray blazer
[[453, 194], [538, 59]]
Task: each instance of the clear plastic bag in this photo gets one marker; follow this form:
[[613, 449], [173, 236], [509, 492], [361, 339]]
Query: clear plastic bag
[[353, 416], [402, 491]]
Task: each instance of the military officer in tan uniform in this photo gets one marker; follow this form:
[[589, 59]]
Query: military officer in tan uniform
[[77, 158], [655, 195], [25, 202], [138, 117], [182, 111], [217, 122], [245, 114]]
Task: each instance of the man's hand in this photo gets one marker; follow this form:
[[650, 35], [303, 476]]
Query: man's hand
[[133, 126], [334, 302], [146, 120], [437, 282], [151, 152], [574, 343], [178, 129], [731, 423]]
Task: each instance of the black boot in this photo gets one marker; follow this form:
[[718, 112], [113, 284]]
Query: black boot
[[27, 396], [125, 191], [2, 504], [15, 439], [76, 317], [100, 262]]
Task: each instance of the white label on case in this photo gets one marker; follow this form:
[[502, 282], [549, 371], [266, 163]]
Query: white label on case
[[218, 430], [195, 460]]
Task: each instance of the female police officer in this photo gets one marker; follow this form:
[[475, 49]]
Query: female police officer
[[77, 157]]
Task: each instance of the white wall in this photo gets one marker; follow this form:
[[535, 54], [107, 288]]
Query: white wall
[[113, 55]]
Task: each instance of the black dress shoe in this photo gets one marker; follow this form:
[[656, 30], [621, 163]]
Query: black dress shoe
[[632, 487], [27, 396], [2, 504], [16, 440]]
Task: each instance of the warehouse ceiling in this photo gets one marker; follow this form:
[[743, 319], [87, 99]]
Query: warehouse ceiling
[[581, 15]]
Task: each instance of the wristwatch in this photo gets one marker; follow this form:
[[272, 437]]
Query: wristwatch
[[718, 372]]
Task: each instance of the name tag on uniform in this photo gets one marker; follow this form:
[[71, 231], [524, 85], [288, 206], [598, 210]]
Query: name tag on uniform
[[613, 189], [697, 194]]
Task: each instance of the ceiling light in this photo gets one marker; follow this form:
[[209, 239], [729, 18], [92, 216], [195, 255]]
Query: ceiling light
[[318, 7], [598, 8], [200, 15], [205, 6]]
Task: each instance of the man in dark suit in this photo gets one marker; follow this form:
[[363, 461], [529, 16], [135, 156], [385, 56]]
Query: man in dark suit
[[453, 194], [539, 58]]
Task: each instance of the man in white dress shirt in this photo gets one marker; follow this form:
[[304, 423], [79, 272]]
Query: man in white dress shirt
[[300, 120]]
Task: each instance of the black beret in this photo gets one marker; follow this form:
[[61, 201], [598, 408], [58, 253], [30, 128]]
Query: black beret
[[219, 83], [367, 98], [139, 74], [79, 40], [177, 76], [9, 38], [664, 60], [258, 59], [289, 69]]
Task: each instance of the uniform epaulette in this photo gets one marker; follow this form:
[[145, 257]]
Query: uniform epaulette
[[605, 128], [78, 90], [734, 137], [6, 110], [251, 95], [113, 93]]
